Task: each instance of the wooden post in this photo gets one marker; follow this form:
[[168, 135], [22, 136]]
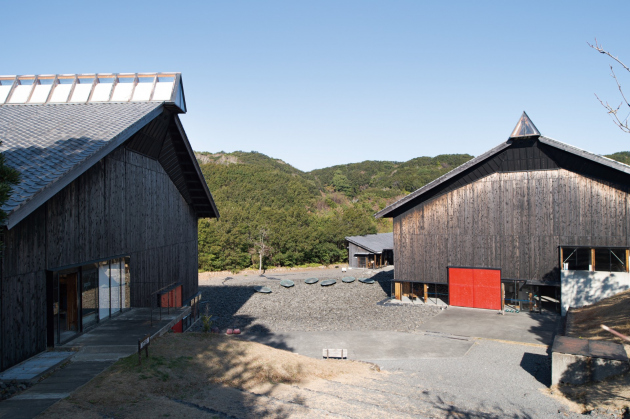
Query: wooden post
[[592, 259], [502, 296], [426, 292]]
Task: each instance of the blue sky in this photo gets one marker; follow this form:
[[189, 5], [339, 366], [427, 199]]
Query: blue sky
[[319, 83]]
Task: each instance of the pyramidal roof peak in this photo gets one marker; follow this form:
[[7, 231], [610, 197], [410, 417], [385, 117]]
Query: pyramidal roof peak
[[525, 128]]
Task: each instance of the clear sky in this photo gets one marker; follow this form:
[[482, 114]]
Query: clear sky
[[318, 83]]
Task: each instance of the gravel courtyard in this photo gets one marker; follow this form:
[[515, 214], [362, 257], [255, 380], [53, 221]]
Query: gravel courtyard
[[234, 303]]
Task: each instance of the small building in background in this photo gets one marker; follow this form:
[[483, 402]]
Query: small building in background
[[371, 251], [105, 213], [527, 224]]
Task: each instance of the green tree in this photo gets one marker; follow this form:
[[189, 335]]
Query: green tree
[[341, 183]]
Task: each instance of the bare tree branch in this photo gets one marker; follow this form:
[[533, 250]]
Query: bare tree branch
[[598, 47], [614, 112]]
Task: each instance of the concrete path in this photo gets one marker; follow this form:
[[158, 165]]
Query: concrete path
[[35, 366], [377, 345], [59, 385], [96, 351], [488, 324]]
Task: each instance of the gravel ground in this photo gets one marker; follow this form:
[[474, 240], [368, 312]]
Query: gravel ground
[[233, 303], [493, 380]]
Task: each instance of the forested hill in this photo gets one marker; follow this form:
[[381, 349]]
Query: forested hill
[[302, 216], [621, 156]]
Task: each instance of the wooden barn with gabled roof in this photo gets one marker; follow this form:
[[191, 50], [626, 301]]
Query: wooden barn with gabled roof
[[106, 209], [370, 250], [529, 222]]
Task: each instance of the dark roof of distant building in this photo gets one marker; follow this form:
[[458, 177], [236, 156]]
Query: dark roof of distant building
[[51, 144], [375, 243]]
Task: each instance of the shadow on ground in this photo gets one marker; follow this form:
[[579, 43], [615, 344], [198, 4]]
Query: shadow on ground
[[539, 366], [188, 376]]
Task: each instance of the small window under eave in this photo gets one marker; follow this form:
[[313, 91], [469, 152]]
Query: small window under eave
[[525, 128]]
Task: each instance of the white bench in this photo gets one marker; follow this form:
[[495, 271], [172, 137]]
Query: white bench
[[335, 353]]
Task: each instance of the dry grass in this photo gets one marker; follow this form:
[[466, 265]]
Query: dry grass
[[202, 369], [586, 323], [614, 312], [612, 393]]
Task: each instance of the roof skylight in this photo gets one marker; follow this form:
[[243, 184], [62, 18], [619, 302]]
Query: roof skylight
[[144, 88], [82, 88], [103, 89], [6, 84], [124, 88], [164, 88], [43, 86], [524, 128], [62, 88], [22, 90], [88, 88]]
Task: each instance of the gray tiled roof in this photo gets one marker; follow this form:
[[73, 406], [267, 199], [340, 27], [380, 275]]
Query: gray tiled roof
[[52, 145], [375, 243]]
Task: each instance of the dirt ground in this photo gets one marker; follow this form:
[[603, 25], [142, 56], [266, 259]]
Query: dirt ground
[[585, 323], [614, 312], [187, 375]]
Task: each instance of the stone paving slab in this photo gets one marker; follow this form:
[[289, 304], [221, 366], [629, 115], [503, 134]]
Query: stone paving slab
[[35, 366]]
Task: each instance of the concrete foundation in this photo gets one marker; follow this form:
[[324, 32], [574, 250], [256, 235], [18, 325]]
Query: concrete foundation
[[603, 368], [570, 369], [579, 361]]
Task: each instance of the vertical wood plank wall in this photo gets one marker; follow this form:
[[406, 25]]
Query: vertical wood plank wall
[[352, 249], [124, 205], [514, 221]]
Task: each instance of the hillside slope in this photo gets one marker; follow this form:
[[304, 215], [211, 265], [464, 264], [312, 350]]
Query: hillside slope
[[302, 217]]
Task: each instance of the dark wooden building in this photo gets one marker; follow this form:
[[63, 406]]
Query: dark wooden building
[[371, 250], [532, 215], [107, 205]]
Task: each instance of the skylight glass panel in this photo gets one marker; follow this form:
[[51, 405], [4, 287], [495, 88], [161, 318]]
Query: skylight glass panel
[[5, 88], [524, 128], [82, 89], [103, 89], [123, 89], [22, 91], [164, 88], [61, 90], [42, 90], [143, 88]]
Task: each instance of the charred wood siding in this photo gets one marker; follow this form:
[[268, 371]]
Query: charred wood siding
[[352, 249], [124, 205], [514, 221]]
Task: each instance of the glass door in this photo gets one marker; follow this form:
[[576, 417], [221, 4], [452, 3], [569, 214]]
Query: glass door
[[89, 295], [67, 306]]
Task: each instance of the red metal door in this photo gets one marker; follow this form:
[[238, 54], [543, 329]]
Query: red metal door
[[460, 287], [487, 288], [475, 287]]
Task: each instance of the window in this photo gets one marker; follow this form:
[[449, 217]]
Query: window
[[611, 260], [576, 258], [603, 259]]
